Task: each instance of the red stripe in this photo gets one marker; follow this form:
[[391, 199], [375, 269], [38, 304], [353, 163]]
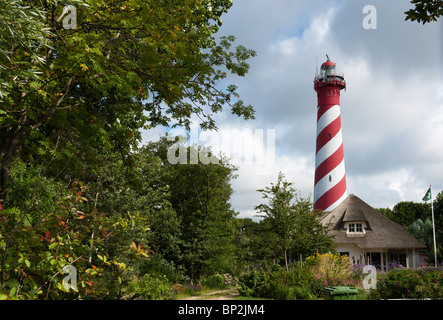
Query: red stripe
[[322, 109], [330, 129], [331, 196], [329, 164]]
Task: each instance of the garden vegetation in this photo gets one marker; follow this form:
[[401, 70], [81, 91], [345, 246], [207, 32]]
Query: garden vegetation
[[78, 188]]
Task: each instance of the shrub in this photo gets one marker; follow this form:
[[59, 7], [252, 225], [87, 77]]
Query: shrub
[[229, 279], [192, 289], [278, 284], [251, 283], [415, 284], [329, 265], [214, 281], [178, 288], [152, 287]]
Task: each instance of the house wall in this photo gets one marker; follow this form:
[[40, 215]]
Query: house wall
[[355, 253], [414, 258]]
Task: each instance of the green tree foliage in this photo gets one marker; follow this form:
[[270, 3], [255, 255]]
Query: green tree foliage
[[279, 212], [46, 227], [422, 231], [254, 243], [416, 218], [127, 65], [23, 32], [292, 220], [406, 212], [200, 194], [73, 103], [425, 11]]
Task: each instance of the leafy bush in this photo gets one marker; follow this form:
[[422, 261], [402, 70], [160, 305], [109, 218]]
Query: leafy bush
[[158, 265], [214, 281], [193, 289], [415, 284], [250, 284], [278, 284], [319, 271], [329, 265], [178, 288], [45, 227], [152, 287]]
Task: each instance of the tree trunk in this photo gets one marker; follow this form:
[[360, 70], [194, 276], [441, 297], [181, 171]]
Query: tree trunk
[[286, 261]]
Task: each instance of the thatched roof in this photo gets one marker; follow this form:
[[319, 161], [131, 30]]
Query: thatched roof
[[381, 232]]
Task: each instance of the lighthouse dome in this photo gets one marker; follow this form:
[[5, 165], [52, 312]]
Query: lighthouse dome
[[327, 71], [327, 64]]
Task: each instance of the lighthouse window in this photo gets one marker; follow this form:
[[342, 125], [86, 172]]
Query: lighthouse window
[[329, 93], [330, 178], [329, 136]]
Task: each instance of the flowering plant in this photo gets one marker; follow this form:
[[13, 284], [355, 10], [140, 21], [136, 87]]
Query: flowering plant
[[414, 284]]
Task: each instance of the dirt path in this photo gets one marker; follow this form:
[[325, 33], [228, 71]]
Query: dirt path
[[227, 294]]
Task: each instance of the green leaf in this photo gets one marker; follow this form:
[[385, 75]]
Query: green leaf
[[12, 291], [53, 245]]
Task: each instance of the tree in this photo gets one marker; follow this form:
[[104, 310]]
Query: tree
[[279, 211], [406, 212], [127, 65], [255, 243], [200, 195], [22, 28], [292, 220], [47, 227], [136, 192], [425, 11], [415, 217], [422, 231], [310, 235]]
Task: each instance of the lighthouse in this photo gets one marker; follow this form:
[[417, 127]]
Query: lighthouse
[[330, 178]]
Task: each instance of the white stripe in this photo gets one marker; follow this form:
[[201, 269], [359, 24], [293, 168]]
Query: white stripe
[[337, 203], [330, 115], [324, 184], [328, 149]]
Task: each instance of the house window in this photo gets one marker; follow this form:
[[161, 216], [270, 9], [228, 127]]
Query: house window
[[398, 258], [355, 230]]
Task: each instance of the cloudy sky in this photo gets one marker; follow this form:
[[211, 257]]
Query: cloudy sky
[[392, 110]]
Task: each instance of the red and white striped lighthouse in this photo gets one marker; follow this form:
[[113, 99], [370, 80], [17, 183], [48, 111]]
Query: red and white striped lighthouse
[[330, 178]]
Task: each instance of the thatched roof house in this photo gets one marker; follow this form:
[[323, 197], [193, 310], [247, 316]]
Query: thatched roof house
[[368, 236]]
